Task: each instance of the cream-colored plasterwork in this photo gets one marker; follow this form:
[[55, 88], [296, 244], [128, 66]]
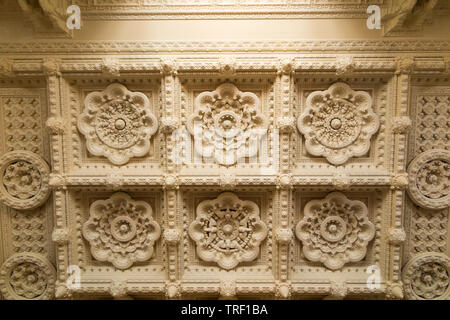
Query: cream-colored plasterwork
[[292, 169]]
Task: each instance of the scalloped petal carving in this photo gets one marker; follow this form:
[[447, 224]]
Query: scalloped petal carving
[[338, 123], [227, 124], [121, 231], [228, 230], [335, 230], [117, 124]]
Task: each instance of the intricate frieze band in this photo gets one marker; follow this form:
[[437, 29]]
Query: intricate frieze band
[[24, 180], [338, 123], [228, 230], [426, 277], [335, 230], [121, 231], [27, 276], [229, 9], [429, 179], [117, 124]]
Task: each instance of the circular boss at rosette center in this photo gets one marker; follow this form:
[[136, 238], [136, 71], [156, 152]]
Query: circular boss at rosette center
[[227, 229], [227, 124], [333, 228], [123, 228]]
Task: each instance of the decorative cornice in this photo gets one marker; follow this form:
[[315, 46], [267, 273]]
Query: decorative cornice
[[247, 180], [266, 62], [152, 47], [211, 9]]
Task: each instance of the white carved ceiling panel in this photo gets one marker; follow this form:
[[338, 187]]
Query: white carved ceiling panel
[[138, 199], [225, 168]]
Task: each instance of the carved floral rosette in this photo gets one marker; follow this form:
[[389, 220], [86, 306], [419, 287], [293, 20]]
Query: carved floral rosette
[[121, 231], [426, 277], [227, 124], [335, 230], [117, 124], [27, 276], [338, 123], [24, 179], [429, 179], [228, 230]]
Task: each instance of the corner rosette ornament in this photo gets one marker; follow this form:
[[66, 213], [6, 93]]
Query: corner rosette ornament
[[121, 231], [429, 179], [426, 277], [227, 124], [24, 180], [117, 124], [338, 123], [228, 230], [27, 276], [335, 230]]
